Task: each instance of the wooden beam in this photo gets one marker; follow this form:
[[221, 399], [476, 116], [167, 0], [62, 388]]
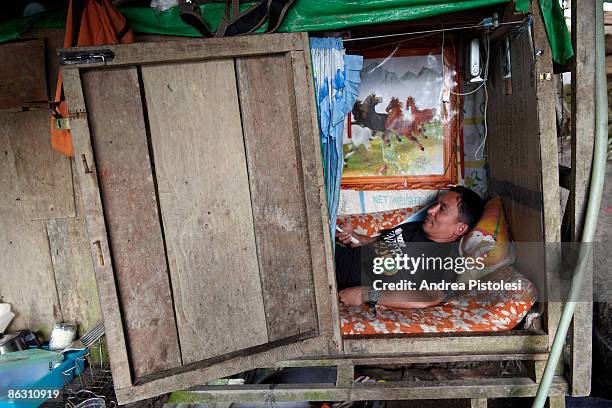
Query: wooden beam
[[583, 131], [318, 217], [190, 49], [478, 403], [345, 376], [481, 388], [509, 342], [551, 214], [338, 360], [536, 369], [198, 373], [556, 401]]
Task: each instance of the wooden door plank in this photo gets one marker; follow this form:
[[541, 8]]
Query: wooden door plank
[[26, 273], [132, 220], [279, 212], [73, 267], [45, 175], [96, 230], [194, 49], [206, 207], [316, 201], [23, 78]]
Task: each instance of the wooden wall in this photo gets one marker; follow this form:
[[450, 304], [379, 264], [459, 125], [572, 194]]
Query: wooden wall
[[46, 272]]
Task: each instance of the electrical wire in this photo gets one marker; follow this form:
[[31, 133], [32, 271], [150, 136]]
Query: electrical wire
[[486, 130], [487, 41], [439, 30]]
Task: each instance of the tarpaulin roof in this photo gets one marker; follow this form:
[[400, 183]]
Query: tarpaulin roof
[[315, 15]]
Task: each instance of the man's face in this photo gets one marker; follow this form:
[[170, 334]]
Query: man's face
[[442, 223]]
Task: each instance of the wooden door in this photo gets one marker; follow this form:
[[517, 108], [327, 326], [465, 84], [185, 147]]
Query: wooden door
[[202, 184]]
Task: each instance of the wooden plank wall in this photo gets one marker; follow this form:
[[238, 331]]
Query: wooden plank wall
[[45, 268], [43, 238], [513, 151], [22, 74]]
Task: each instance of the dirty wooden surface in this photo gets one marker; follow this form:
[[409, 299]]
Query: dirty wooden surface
[[205, 204], [73, 267], [513, 156], [27, 281], [267, 103], [45, 175], [128, 195], [23, 80]]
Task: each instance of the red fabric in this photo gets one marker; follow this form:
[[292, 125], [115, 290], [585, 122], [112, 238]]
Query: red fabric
[[100, 24]]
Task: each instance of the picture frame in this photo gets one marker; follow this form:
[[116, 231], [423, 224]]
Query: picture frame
[[409, 140]]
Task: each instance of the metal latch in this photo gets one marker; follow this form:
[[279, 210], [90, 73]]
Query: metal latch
[[85, 57], [61, 123]]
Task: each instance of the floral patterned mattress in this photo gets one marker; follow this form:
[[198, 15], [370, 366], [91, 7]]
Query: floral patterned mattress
[[470, 311]]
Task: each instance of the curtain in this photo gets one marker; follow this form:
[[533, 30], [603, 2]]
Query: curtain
[[337, 77]]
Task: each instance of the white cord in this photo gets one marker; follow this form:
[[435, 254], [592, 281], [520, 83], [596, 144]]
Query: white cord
[[483, 84], [486, 130]]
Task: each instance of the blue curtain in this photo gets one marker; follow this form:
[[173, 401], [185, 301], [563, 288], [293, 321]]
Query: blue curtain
[[337, 78]]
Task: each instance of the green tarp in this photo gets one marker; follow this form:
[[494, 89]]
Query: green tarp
[[314, 15]]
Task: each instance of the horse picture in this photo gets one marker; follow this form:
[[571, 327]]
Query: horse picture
[[365, 115], [403, 124], [400, 126]]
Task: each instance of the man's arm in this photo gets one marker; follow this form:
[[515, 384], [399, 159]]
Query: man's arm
[[349, 232], [407, 299], [400, 299]]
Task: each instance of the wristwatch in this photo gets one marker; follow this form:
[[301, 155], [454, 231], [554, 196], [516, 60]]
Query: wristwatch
[[373, 296]]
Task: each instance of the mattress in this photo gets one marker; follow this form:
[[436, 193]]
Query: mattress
[[476, 310]]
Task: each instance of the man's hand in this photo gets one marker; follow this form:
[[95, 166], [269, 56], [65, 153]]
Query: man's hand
[[354, 296], [349, 232]]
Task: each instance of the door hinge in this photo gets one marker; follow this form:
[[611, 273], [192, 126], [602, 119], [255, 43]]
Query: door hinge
[[85, 57], [545, 76]]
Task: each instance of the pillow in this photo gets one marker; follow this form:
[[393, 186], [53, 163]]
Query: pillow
[[489, 239]]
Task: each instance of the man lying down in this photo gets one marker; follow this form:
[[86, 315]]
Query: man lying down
[[412, 265]]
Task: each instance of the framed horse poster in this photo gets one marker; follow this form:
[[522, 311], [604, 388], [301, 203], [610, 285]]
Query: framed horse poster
[[402, 132]]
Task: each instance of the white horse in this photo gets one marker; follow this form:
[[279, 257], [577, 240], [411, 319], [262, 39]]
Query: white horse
[[359, 136]]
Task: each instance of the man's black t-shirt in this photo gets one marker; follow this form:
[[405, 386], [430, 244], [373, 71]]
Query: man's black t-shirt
[[357, 266]]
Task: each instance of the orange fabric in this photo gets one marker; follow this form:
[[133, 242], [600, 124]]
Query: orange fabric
[[372, 223], [471, 311], [100, 24]]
